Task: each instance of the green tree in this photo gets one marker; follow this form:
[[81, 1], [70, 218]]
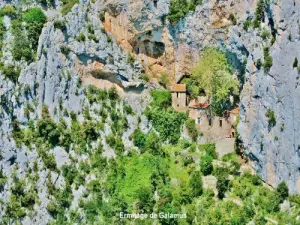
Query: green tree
[[213, 75], [222, 185], [161, 98], [139, 138], [153, 144], [259, 13], [282, 191], [11, 72], [191, 127], [195, 184], [206, 165], [34, 19]]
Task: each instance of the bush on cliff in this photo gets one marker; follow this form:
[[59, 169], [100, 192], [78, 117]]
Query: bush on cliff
[[179, 9]]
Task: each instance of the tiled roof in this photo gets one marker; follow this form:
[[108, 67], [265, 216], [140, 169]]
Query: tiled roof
[[179, 88]]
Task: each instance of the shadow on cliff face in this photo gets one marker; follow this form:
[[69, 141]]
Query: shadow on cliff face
[[95, 67], [85, 59], [152, 49], [238, 66]]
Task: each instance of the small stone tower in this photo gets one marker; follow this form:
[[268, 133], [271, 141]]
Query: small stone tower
[[179, 98]]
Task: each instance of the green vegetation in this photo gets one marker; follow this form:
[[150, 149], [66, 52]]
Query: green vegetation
[[164, 80], [162, 173], [179, 9], [145, 77], [295, 64], [164, 118], [65, 50], [26, 37], [282, 191], [247, 24], [191, 127], [60, 24], [34, 19], [206, 165], [259, 13], [9, 10], [68, 5], [11, 72], [213, 76], [233, 19], [268, 60], [102, 16], [130, 59], [271, 117], [161, 98], [3, 180], [80, 37]]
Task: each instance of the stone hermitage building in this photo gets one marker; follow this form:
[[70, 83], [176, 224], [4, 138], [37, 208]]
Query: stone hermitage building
[[212, 127]]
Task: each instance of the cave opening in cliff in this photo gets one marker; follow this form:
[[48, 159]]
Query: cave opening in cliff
[[152, 49], [155, 3]]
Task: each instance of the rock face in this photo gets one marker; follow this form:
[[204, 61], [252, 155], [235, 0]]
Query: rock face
[[275, 150], [141, 28]]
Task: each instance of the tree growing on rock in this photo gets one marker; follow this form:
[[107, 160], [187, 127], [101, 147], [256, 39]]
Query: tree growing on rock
[[213, 75]]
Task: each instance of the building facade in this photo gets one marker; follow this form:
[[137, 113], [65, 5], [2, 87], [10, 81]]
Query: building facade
[[179, 97], [212, 127]]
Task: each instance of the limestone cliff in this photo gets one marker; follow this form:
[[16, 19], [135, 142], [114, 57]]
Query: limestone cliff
[[133, 37], [141, 28]]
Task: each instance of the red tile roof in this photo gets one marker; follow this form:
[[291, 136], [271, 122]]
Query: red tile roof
[[179, 88]]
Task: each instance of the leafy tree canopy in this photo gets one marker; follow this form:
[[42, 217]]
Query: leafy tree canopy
[[213, 75]]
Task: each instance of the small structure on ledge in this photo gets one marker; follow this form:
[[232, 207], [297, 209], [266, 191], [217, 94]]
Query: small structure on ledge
[[199, 110], [179, 97]]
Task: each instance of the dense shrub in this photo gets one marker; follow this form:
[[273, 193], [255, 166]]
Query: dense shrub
[[247, 24], [268, 60], [191, 127], [60, 24], [271, 117], [11, 72], [139, 138], [26, 38], [295, 64], [161, 98], [164, 80], [209, 149], [130, 59], [67, 6], [259, 13], [3, 180], [206, 165], [145, 77], [213, 75], [153, 144], [196, 185], [21, 47], [80, 37], [282, 191], [179, 9], [34, 19], [65, 50], [128, 110], [102, 16], [234, 161], [9, 10], [167, 122], [46, 128]]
